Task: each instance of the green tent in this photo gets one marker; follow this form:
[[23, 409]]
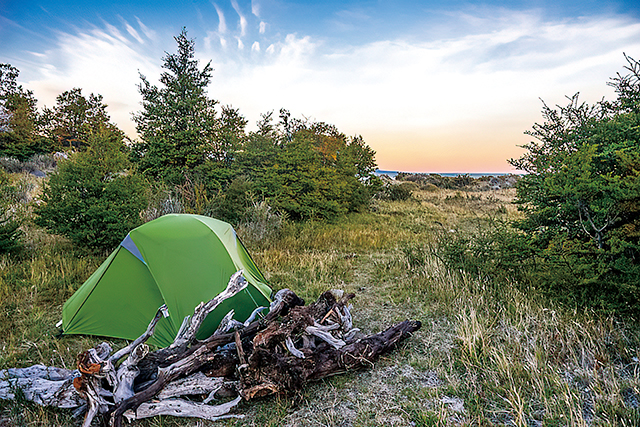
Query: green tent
[[179, 260]]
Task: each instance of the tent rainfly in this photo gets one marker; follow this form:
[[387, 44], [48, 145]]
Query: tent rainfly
[[179, 260]]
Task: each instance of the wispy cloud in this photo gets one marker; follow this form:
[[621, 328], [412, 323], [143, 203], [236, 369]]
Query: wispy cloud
[[350, 19], [255, 8], [132, 31], [101, 61], [433, 95], [222, 24], [243, 21], [150, 34]]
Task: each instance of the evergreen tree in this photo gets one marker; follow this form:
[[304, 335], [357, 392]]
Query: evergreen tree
[[178, 124]]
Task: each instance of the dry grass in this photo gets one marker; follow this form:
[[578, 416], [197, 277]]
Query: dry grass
[[486, 355]]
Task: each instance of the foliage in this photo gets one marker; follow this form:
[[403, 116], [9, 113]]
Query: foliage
[[301, 168], [94, 198], [504, 356], [260, 225], [440, 181], [18, 117], [397, 192], [73, 119], [178, 122], [308, 170], [581, 198], [5, 118]]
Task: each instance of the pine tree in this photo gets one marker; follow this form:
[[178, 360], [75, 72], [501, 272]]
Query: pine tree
[[178, 124]]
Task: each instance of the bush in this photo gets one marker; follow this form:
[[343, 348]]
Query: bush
[[41, 162], [581, 199], [10, 235], [162, 201], [261, 224], [493, 250], [397, 192], [94, 198]]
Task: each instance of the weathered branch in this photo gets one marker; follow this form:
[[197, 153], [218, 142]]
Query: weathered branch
[[184, 408], [162, 312], [188, 335], [279, 353]]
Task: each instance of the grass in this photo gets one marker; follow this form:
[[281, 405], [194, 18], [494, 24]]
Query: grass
[[487, 354]]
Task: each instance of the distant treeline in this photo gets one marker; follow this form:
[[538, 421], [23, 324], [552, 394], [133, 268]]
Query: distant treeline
[[429, 181]]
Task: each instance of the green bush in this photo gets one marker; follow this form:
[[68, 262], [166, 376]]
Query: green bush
[[581, 199], [9, 235], [492, 250], [94, 198]]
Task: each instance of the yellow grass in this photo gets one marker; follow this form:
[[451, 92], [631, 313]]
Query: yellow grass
[[487, 354]]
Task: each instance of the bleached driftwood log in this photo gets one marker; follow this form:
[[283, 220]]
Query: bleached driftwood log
[[279, 353]]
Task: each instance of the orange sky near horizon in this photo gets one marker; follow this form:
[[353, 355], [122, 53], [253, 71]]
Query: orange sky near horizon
[[466, 149]]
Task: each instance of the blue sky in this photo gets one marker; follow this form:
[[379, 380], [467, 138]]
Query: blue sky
[[435, 86]]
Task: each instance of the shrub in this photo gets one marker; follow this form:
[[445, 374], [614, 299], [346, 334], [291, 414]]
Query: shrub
[[10, 235], [581, 198], [261, 224], [397, 192], [492, 250], [94, 198]]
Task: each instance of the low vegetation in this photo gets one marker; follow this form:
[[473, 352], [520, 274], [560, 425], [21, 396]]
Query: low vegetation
[[489, 352]]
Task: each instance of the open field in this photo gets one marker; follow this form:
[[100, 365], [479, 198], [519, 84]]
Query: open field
[[487, 354]]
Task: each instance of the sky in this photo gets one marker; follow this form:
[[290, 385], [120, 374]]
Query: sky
[[432, 86]]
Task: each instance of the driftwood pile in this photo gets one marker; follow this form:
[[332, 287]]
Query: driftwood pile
[[277, 353]]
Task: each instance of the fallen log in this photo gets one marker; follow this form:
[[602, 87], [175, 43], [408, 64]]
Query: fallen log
[[278, 353]]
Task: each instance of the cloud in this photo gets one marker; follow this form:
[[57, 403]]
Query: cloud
[[263, 27], [132, 32], [100, 61], [350, 19], [255, 8], [255, 47], [243, 21], [477, 91], [150, 34], [222, 24]]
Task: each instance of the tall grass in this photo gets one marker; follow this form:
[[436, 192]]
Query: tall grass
[[487, 354]]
